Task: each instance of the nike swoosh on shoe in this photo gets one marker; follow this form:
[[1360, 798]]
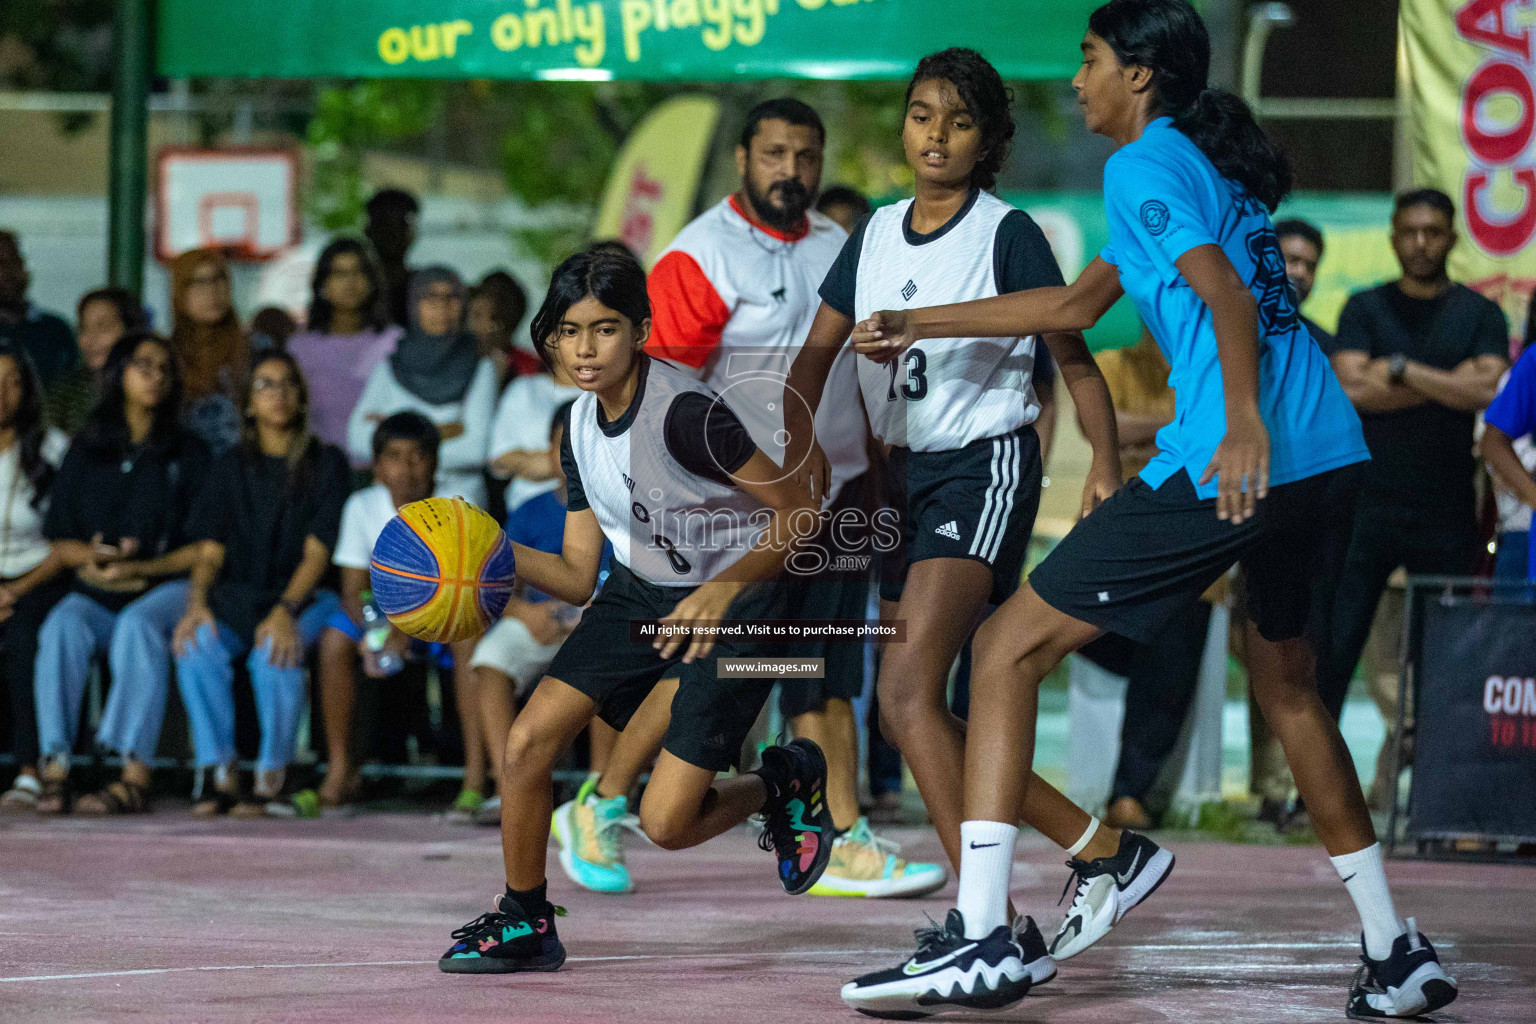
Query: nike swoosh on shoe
[[912, 967]]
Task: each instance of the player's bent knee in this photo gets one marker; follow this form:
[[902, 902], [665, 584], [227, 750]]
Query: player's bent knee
[[528, 751], [902, 713], [667, 828]]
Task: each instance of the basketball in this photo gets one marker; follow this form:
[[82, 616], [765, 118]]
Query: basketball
[[442, 570]]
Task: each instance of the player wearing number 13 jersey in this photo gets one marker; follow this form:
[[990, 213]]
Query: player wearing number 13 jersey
[[958, 413]]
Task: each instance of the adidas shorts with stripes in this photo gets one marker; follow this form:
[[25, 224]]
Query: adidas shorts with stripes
[[976, 502]]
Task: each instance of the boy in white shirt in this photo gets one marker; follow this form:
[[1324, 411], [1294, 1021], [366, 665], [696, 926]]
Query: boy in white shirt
[[404, 466]]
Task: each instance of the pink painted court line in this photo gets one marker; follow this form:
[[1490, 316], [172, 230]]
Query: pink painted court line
[[162, 919]]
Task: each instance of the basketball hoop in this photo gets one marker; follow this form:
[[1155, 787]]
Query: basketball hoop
[[244, 201]]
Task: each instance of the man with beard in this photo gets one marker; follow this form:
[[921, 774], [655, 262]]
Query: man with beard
[[732, 299], [1420, 357]]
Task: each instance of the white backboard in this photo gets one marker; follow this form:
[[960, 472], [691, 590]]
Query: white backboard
[[244, 201]]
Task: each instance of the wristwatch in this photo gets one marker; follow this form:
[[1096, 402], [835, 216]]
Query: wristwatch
[[291, 607], [1397, 369]]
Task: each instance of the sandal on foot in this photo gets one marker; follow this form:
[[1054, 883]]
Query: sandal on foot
[[55, 797], [22, 797], [120, 797], [217, 792], [249, 809], [350, 790]]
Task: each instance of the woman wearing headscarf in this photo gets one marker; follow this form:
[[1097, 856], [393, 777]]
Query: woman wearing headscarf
[[348, 334], [436, 370], [212, 349]]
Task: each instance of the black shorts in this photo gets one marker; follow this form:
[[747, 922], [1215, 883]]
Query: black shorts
[[839, 591], [976, 502], [1145, 554], [710, 716]]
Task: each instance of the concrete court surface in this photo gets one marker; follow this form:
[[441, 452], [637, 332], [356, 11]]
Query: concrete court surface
[[163, 919]]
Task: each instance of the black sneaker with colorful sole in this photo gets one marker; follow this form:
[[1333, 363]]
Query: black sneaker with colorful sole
[[506, 941], [798, 829]]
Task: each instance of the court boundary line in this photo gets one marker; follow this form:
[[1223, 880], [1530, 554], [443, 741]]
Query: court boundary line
[[748, 955]]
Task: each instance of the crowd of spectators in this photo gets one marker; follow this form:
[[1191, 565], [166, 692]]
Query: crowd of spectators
[[198, 506]]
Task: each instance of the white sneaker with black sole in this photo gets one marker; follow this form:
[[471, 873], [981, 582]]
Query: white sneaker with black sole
[[1409, 983], [951, 972], [1106, 889]]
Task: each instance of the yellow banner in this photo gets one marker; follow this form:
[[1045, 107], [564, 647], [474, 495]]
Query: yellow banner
[[1470, 69], [651, 189]]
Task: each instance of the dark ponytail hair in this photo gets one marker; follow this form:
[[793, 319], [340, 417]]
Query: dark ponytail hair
[[982, 90], [31, 427], [613, 278], [1168, 38]]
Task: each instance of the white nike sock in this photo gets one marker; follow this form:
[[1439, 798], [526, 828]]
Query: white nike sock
[[986, 862], [1366, 879]]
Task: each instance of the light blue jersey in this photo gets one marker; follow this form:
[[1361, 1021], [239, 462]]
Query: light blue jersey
[[1163, 198]]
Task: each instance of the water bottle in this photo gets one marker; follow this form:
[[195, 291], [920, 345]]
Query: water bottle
[[375, 632]]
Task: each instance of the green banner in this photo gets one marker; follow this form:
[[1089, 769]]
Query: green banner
[[681, 40]]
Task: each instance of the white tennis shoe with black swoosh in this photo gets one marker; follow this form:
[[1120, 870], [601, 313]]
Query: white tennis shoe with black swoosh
[[1106, 889], [949, 971]]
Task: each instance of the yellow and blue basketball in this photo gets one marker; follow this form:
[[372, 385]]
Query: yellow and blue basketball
[[442, 570]]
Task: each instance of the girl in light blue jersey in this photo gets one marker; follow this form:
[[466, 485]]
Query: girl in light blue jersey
[[1262, 459]]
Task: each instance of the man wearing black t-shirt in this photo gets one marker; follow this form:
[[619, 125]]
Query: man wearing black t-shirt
[[1419, 357]]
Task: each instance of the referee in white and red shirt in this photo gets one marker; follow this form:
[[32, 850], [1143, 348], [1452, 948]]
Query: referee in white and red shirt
[[733, 297]]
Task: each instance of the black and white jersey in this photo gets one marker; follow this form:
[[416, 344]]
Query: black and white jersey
[[659, 478], [944, 393]]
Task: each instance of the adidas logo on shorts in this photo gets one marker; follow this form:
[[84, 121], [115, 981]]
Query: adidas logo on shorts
[[950, 529]]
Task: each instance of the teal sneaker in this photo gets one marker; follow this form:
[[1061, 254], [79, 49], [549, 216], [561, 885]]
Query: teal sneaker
[[588, 787], [591, 853], [863, 864]]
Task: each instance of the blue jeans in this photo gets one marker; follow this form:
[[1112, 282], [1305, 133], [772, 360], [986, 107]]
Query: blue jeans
[[1513, 558], [137, 643], [206, 675]]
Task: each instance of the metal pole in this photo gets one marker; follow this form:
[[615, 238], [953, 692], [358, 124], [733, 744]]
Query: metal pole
[[129, 153]]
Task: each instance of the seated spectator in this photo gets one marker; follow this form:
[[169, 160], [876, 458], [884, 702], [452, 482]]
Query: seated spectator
[[844, 204], [29, 575], [348, 335], [1508, 449], [496, 308], [211, 347], [271, 327], [520, 434], [437, 371], [404, 464], [266, 520], [513, 655], [105, 316], [43, 336], [115, 522]]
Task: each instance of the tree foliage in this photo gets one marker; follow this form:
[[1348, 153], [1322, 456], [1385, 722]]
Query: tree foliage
[[60, 45]]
